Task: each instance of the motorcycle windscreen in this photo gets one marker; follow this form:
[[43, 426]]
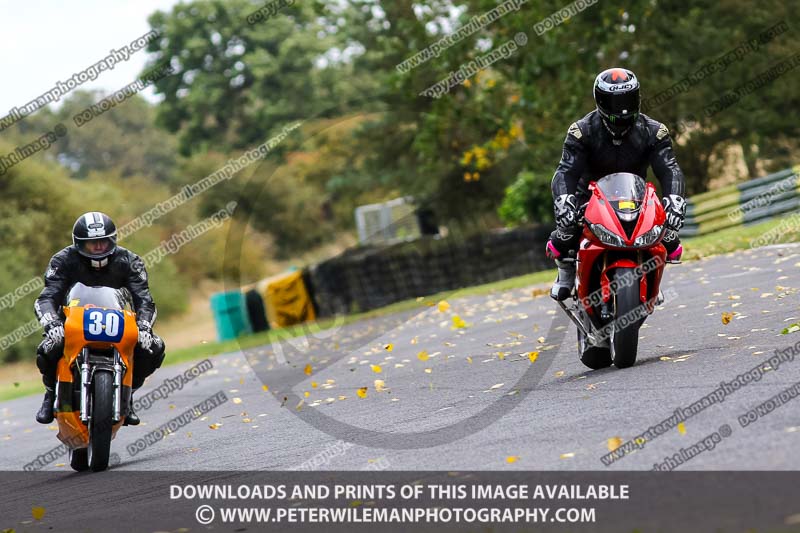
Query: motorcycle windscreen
[[82, 295], [625, 192]]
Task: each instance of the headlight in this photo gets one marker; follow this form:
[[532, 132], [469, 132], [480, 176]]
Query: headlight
[[606, 236], [648, 238]]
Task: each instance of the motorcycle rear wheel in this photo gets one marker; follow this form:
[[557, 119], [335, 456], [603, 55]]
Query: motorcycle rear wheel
[[79, 460], [593, 356]]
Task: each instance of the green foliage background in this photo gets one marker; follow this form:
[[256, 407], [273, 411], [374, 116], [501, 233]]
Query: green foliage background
[[483, 152]]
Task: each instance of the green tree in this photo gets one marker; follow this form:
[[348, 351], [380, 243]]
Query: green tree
[[124, 140], [236, 83]]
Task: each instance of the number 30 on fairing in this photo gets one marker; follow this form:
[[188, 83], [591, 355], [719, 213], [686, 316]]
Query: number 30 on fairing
[[105, 325]]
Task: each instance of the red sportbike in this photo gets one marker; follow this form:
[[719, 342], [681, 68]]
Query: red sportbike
[[620, 262]]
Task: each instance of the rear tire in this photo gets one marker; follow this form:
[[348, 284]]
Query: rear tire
[[592, 356], [79, 460], [625, 340], [101, 422]]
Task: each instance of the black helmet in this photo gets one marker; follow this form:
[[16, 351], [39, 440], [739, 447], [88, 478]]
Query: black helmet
[[616, 93], [92, 227]]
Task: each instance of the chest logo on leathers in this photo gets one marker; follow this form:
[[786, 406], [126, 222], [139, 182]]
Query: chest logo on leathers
[[575, 131], [662, 132]]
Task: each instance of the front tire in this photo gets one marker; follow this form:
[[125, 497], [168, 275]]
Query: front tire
[[625, 339], [101, 423]]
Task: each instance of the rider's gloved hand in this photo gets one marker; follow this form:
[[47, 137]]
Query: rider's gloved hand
[[675, 208], [566, 211], [145, 334], [54, 331]]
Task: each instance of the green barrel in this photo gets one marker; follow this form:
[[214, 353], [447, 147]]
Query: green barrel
[[230, 314]]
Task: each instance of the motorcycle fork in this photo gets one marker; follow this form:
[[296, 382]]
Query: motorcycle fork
[[117, 386], [88, 369], [85, 382], [608, 309], [605, 313]]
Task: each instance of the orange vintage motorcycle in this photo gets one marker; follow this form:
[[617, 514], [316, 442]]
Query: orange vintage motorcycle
[[95, 374]]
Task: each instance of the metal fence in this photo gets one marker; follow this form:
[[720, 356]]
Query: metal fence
[[745, 203], [387, 222]]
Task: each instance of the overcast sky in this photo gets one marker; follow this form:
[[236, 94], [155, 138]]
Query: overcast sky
[[44, 41]]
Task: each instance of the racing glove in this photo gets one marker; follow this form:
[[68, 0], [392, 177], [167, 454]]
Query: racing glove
[[566, 211], [145, 335], [675, 208], [54, 331]]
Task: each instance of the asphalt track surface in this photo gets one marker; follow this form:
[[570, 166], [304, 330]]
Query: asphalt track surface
[[477, 402]]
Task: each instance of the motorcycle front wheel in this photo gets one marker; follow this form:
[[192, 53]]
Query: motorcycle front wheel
[[101, 423], [629, 317]]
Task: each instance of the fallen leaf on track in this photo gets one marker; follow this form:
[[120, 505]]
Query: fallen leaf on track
[[790, 329]]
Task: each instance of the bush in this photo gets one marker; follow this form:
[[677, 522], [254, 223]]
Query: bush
[[527, 200]]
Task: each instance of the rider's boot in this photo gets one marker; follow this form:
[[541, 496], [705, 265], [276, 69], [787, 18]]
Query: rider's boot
[[565, 282], [131, 419], [45, 414]]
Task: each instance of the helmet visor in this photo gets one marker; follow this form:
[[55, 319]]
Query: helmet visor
[[620, 105], [96, 248]]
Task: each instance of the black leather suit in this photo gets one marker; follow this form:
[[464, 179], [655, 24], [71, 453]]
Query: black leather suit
[[124, 269], [591, 152]]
